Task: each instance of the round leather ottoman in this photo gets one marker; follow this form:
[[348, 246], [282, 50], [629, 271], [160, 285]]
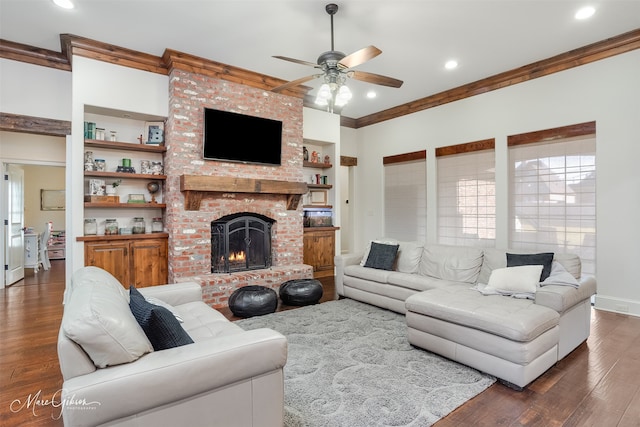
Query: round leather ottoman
[[253, 300], [301, 292]]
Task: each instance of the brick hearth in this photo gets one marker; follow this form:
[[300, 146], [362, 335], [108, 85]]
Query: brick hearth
[[189, 231]]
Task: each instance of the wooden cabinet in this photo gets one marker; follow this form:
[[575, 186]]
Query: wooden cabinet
[[319, 250], [139, 261]]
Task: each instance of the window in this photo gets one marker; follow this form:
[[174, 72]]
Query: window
[[466, 194], [405, 200], [553, 194]]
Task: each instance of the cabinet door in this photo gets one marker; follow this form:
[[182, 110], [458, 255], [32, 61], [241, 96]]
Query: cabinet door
[[319, 251], [149, 264], [110, 256]]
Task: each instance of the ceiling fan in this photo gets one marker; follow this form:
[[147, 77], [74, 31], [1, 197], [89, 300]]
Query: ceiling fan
[[337, 67]]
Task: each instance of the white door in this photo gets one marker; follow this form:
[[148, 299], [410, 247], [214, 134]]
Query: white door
[[14, 243]]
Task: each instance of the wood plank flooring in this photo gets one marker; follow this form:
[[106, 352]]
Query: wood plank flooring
[[598, 384]]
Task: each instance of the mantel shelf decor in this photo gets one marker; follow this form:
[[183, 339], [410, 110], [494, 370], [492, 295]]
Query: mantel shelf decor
[[195, 187]]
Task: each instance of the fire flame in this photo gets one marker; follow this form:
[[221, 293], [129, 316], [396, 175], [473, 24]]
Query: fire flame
[[236, 256]]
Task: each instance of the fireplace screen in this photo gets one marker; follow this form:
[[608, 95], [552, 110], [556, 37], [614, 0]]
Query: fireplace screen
[[240, 242]]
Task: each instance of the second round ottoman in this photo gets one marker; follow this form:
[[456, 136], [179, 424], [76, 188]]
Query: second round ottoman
[[301, 292]]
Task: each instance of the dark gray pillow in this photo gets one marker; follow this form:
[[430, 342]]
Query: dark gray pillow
[[159, 324], [382, 256], [544, 259]]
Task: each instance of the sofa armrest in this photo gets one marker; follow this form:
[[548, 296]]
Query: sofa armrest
[[166, 376], [174, 294], [342, 261]]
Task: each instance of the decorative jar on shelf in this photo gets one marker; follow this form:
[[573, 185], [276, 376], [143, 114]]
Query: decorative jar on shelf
[[90, 227], [138, 226], [110, 227], [156, 225]]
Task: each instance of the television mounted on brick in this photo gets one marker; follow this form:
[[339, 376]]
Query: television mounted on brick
[[235, 137]]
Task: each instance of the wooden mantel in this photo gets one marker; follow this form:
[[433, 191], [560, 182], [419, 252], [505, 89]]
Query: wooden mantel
[[195, 187]]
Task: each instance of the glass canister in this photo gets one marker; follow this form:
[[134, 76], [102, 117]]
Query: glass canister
[[90, 227], [156, 225], [139, 226], [110, 227]]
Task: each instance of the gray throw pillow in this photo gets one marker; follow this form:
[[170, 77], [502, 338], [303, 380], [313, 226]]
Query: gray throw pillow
[[382, 256], [161, 327], [544, 259]]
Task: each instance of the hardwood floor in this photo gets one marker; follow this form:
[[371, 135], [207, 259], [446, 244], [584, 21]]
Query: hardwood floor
[[598, 384]]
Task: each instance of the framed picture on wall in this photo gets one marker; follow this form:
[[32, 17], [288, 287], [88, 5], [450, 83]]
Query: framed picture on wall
[[52, 200]]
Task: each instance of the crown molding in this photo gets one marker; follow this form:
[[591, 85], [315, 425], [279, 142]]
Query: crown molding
[[594, 52], [33, 55], [93, 49], [37, 125]]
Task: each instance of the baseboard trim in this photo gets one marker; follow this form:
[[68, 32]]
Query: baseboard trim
[[618, 305]]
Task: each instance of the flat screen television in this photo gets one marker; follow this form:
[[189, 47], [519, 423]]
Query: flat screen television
[[242, 138]]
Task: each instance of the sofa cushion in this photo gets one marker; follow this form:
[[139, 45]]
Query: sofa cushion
[[381, 256], [515, 280], [454, 263], [544, 259], [203, 323], [409, 254], [97, 317], [515, 319], [365, 273], [161, 327], [417, 282]]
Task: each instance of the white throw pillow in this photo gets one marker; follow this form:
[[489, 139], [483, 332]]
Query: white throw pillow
[[521, 279], [98, 318]]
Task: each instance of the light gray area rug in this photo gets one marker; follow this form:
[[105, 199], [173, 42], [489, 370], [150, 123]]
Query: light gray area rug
[[350, 364]]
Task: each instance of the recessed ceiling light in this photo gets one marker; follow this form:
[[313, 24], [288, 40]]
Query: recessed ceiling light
[[65, 4], [451, 64], [585, 12], [371, 94]]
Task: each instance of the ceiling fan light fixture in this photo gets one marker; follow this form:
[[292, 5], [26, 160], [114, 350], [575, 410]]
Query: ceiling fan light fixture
[[324, 95], [343, 96]]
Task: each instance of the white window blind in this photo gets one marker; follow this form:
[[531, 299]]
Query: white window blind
[[466, 199], [405, 200], [552, 197]]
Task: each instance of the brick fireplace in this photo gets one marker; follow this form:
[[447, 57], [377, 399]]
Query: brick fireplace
[[189, 223]]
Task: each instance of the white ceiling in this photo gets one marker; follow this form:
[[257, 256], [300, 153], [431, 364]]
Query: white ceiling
[[416, 37]]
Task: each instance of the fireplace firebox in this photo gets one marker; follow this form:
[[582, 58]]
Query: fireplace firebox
[[240, 242]]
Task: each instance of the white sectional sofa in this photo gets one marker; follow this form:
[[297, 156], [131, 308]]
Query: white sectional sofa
[[511, 334]]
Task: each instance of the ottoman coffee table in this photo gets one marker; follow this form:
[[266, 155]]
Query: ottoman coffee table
[[253, 300]]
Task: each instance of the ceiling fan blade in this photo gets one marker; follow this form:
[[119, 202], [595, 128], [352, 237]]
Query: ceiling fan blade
[[375, 79], [297, 61], [359, 57], [294, 83]]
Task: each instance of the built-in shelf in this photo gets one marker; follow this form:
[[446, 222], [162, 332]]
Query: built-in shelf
[[127, 146], [125, 205], [320, 186], [317, 206], [124, 175], [319, 165], [98, 238]]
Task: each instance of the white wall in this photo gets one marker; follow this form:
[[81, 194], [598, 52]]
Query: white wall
[[32, 90], [606, 91]]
